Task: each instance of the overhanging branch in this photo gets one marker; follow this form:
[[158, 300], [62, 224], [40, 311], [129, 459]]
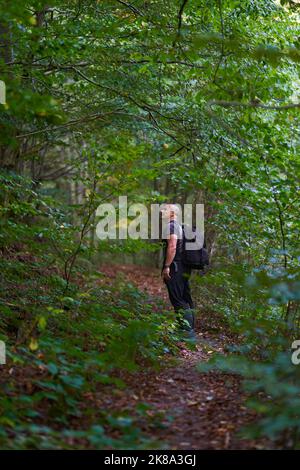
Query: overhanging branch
[[238, 104]]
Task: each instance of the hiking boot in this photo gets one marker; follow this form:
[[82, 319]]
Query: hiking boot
[[189, 320], [187, 324], [188, 335]]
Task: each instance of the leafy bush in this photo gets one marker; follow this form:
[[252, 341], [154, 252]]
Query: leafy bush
[[262, 355], [65, 340]]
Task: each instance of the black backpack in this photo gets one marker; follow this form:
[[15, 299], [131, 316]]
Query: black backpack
[[195, 258]]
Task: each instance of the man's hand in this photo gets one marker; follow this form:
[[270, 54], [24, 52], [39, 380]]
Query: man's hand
[[166, 274]]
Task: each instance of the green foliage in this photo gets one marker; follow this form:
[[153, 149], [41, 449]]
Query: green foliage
[[106, 99], [77, 347], [273, 387], [262, 353], [65, 340]]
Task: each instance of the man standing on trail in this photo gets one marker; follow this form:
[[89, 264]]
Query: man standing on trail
[[175, 275]]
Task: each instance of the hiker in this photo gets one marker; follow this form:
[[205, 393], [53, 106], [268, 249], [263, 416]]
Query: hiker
[[174, 273]]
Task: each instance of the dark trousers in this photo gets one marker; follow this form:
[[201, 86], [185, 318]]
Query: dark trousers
[[179, 288]]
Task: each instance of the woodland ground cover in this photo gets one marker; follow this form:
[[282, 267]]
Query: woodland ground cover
[[190, 102]]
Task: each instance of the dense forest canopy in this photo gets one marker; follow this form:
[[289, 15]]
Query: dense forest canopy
[[181, 101]]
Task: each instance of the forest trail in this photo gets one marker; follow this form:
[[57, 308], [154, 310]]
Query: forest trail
[[196, 411]]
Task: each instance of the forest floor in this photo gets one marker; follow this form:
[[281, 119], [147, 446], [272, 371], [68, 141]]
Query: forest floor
[[194, 410]]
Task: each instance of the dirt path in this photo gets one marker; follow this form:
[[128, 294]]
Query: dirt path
[[197, 411]]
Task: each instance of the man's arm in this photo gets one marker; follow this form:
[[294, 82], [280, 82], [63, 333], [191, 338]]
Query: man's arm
[[170, 254]]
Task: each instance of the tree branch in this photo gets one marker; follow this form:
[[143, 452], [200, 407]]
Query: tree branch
[[180, 13], [238, 104], [131, 7]]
